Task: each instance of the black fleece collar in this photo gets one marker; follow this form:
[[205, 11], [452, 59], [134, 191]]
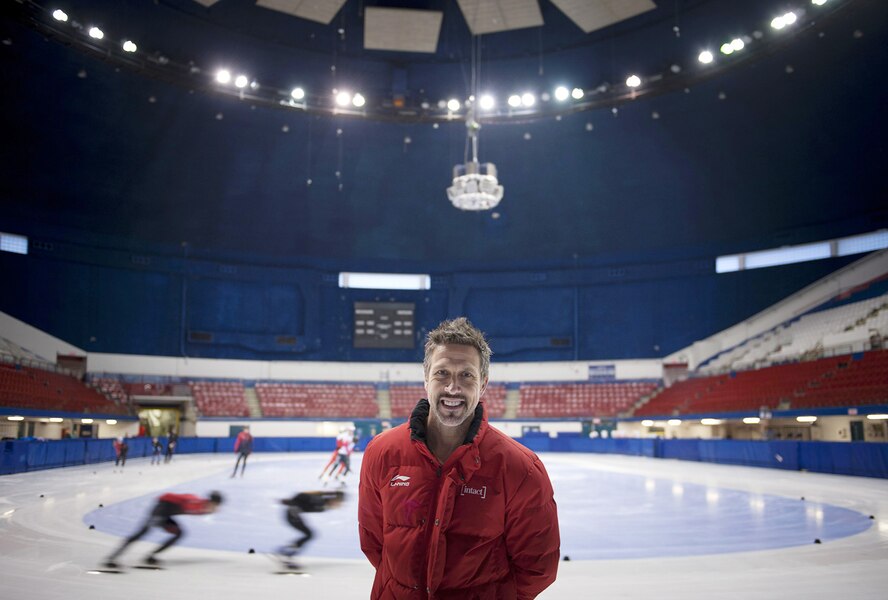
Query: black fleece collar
[[419, 419]]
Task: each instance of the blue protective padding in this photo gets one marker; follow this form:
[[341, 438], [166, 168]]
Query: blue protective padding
[[54, 455], [14, 458], [778, 455], [866, 459], [195, 445], [680, 449], [99, 451], [226, 444], [267, 444], [313, 444], [36, 456], [537, 443], [845, 458], [75, 451]]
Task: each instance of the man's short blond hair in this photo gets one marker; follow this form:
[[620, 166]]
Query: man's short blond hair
[[458, 331]]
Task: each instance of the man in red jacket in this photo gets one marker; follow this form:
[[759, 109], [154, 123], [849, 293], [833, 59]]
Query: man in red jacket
[[162, 515], [449, 507]]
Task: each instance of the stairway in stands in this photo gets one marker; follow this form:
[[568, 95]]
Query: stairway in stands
[[252, 402]]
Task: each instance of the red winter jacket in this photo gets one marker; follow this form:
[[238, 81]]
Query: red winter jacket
[[481, 526]]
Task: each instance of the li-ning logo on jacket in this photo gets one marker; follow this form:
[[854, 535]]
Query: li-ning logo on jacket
[[399, 481], [474, 491]]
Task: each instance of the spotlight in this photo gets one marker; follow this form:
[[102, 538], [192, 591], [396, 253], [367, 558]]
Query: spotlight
[[96, 33], [633, 81], [86, 421], [343, 98], [737, 44], [562, 93], [486, 102], [129, 46], [783, 20], [298, 93], [528, 99], [111, 421], [705, 57], [727, 49], [60, 15], [453, 105], [223, 76], [818, 2], [514, 100], [241, 81], [15, 418], [577, 93], [359, 100], [647, 423]]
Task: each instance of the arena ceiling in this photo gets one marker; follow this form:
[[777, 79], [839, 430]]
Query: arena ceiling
[[781, 142]]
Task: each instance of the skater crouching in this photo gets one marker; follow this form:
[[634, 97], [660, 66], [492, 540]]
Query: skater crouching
[[168, 506], [318, 501]]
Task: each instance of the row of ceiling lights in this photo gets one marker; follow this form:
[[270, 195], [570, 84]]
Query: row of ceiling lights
[[486, 102], [746, 420], [85, 421]]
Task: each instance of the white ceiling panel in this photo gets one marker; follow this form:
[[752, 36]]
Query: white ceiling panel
[[590, 15], [492, 16], [321, 11], [404, 30]]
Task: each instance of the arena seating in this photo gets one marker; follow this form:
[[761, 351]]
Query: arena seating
[[841, 330], [850, 380], [110, 388], [405, 397], [581, 399], [31, 388], [220, 398], [317, 400]]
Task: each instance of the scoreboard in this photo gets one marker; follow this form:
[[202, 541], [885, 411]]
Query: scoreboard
[[384, 324]]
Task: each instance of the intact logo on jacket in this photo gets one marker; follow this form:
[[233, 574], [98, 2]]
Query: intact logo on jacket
[[468, 490], [400, 481]]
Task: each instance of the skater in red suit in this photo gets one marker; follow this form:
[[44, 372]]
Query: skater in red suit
[[168, 506]]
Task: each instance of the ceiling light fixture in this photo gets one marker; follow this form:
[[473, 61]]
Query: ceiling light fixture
[[475, 186]]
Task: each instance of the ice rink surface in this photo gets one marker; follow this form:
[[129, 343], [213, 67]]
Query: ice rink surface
[[631, 528]]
